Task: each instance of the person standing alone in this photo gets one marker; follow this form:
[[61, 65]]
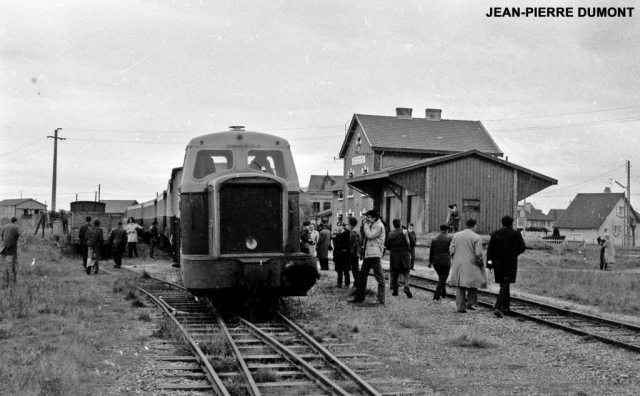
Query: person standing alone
[[10, 235], [154, 237], [118, 242], [505, 246], [468, 271]]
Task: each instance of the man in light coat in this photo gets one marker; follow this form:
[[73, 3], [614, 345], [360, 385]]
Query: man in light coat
[[468, 270], [505, 246], [374, 250]]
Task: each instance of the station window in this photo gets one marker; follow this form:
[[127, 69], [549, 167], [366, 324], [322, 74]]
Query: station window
[[470, 205], [620, 211], [316, 206], [340, 195], [326, 205], [267, 161], [212, 161], [350, 193]]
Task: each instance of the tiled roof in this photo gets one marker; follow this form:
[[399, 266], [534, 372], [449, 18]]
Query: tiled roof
[[588, 210], [536, 214], [420, 134], [555, 214], [13, 202], [315, 182], [117, 205]]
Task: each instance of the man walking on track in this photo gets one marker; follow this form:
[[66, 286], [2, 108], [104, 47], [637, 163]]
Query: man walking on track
[[505, 246], [468, 271]]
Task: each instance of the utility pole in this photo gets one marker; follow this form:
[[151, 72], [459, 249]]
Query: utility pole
[[627, 211], [55, 167]]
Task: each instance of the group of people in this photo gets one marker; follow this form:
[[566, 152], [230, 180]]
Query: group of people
[[461, 257], [368, 244], [120, 239]]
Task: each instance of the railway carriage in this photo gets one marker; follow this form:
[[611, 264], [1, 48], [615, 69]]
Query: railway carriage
[[239, 207]]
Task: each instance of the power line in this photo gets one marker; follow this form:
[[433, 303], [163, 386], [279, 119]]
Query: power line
[[586, 181], [564, 114], [557, 126]]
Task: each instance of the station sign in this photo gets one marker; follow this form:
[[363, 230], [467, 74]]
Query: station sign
[[358, 160]]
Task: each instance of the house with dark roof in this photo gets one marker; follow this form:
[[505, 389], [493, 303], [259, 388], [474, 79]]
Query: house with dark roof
[[554, 215], [528, 217], [594, 214], [413, 168], [319, 196], [20, 208]]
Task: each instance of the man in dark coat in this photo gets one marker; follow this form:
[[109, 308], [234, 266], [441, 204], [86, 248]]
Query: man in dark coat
[[440, 259], [305, 237], [95, 237], [412, 239], [399, 247], [10, 235], [82, 235], [354, 251], [322, 247], [118, 242], [341, 247], [504, 248]]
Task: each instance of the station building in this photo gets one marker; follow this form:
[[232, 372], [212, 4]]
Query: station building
[[414, 168]]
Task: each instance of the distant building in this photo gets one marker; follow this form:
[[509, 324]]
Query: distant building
[[528, 217], [413, 168], [318, 195], [592, 215], [20, 208], [554, 215]]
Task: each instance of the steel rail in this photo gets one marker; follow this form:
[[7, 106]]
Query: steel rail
[[561, 311], [253, 387], [343, 368], [321, 379], [216, 383]]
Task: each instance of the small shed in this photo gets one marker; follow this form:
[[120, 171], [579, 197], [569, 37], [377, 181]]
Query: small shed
[[20, 208], [483, 187]]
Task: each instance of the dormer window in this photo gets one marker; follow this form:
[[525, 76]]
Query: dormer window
[[340, 195], [350, 172], [365, 170]]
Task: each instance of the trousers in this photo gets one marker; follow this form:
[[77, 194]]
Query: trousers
[[466, 297], [368, 264]]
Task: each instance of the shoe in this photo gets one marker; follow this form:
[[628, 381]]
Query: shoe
[[115, 266], [88, 270], [471, 308], [380, 302], [408, 293], [175, 265], [498, 313], [395, 293], [355, 301], [461, 311], [436, 299]]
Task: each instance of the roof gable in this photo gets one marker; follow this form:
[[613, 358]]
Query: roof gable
[[588, 210], [422, 135], [13, 202], [316, 182]]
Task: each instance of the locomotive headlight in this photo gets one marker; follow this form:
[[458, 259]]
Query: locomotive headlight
[[251, 243]]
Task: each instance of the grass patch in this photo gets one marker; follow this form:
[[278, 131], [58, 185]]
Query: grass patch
[[223, 364], [265, 375], [467, 338], [216, 346], [144, 316]]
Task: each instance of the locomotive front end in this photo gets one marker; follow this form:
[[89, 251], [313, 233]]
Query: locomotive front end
[[239, 209]]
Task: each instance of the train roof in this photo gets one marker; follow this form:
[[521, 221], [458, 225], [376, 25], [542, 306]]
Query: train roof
[[239, 137]]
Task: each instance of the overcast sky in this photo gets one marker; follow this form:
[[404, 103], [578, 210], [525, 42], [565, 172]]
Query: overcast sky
[[131, 82]]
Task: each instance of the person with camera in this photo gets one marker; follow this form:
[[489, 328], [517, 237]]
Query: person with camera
[[374, 250], [468, 269]]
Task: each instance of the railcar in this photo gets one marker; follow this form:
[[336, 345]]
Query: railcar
[[239, 216]]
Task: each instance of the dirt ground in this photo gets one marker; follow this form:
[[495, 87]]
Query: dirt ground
[[416, 339]]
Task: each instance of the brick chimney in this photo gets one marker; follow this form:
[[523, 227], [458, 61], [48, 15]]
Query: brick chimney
[[403, 112], [433, 114], [607, 190]]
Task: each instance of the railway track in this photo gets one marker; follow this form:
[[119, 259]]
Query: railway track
[[232, 356], [615, 333]]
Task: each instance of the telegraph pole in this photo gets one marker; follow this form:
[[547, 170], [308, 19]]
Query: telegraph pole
[[55, 167], [627, 212]]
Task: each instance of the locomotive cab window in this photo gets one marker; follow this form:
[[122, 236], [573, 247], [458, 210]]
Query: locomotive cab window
[[267, 161], [211, 161]]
